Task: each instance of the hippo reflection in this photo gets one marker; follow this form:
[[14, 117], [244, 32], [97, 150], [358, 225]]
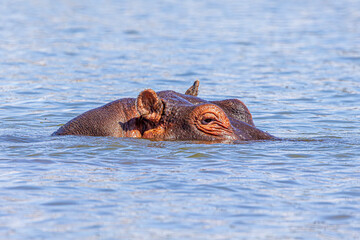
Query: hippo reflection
[[168, 115]]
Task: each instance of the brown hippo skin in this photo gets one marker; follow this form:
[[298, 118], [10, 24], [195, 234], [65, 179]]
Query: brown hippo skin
[[168, 115]]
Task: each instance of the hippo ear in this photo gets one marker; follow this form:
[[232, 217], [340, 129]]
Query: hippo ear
[[149, 105], [194, 89]]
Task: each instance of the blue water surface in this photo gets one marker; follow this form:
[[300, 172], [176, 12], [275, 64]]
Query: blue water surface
[[296, 65]]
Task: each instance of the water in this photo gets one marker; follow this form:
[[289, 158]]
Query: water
[[296, 64]]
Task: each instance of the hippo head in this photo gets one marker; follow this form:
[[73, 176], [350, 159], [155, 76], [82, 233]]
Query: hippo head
[[168, 115]]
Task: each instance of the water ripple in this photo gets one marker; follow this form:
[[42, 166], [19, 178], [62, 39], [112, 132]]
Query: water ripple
[[295, 69]]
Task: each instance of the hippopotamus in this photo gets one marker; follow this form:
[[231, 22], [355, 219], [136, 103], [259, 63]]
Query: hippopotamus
[[168, 115]]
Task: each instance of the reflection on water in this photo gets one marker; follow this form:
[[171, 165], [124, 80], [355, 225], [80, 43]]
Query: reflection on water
[[295, 64]]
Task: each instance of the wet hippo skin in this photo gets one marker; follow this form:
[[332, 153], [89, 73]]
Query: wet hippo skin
[[168, 115]]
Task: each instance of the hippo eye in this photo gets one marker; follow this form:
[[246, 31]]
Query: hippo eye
[[206, 121], [208, 118], [210, 122]]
